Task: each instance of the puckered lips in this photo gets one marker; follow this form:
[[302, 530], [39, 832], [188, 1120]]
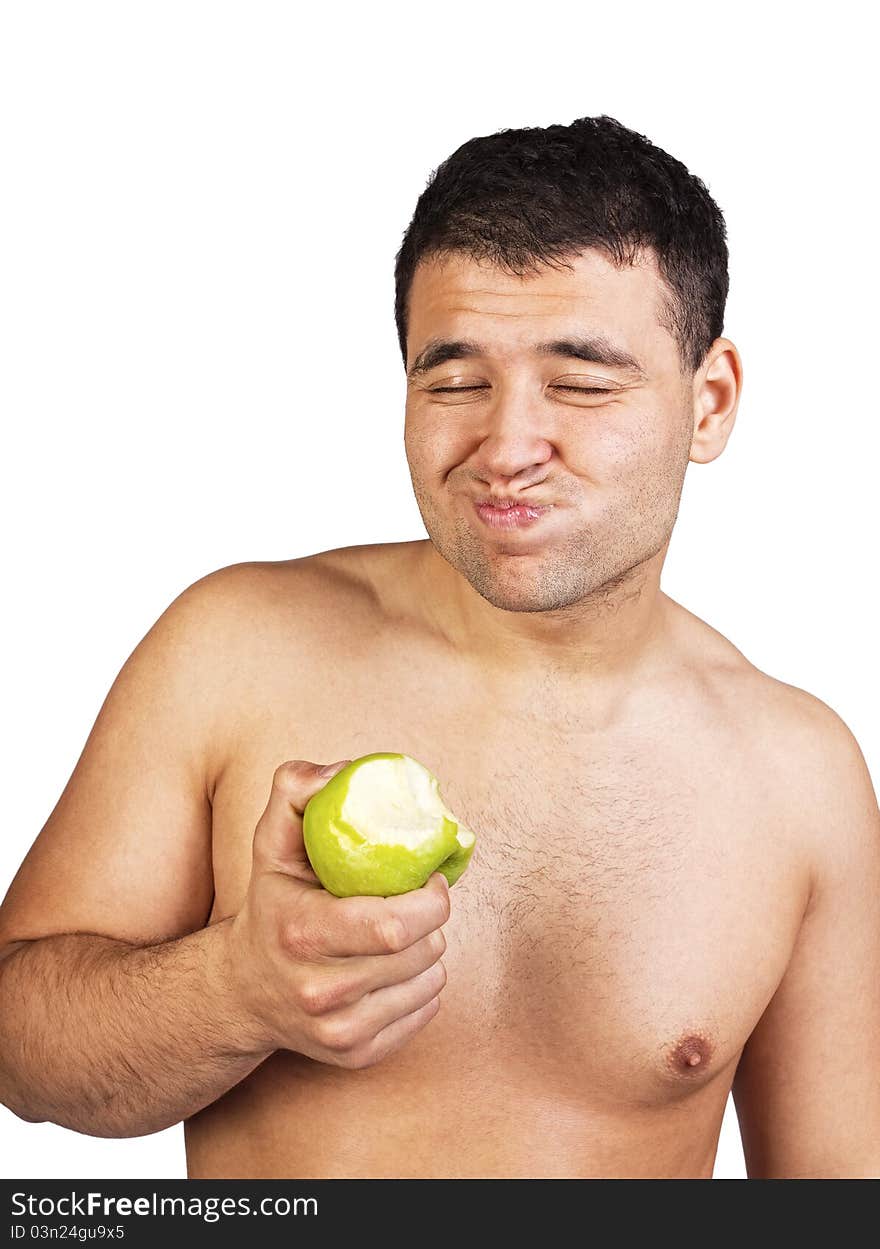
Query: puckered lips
[[509, 512]]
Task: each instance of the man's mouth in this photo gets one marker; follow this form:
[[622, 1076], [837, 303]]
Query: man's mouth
[[508, 514]]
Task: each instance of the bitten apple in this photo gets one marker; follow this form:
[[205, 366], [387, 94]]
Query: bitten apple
[[380, 827]]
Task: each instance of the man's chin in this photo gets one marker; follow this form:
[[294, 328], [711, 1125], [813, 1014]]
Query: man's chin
[[518, 604], [516, 584], [532, 594]]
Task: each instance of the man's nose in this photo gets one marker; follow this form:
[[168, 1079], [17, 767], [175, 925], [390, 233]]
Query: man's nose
[[515, 435]]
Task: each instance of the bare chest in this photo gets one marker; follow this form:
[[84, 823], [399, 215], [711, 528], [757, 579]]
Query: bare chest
[[631, 903]]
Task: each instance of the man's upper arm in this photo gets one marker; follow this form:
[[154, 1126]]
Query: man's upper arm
[[126, 852], [807, 1088]]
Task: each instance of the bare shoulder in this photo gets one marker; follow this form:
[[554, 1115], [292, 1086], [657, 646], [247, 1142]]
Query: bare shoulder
[[799, 750], [779, 714], [827, 784], [265, 594], [262, 616]]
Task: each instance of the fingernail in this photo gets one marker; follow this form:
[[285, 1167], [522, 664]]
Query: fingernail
[[329, 768]]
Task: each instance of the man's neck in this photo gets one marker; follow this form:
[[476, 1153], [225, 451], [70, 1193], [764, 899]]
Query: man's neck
[[600, 647]]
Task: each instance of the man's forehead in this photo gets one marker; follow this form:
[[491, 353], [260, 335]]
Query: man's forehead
[[455, 295]]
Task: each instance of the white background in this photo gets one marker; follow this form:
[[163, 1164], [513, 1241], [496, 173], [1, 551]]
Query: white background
[[200, 209]]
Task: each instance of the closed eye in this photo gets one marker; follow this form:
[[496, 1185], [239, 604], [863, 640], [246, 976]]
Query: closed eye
[[580, 390]]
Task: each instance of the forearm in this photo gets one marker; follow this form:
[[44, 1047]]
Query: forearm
[[112, 1039]]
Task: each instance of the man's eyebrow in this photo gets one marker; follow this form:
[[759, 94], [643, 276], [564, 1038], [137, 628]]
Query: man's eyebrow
[[593, 349]]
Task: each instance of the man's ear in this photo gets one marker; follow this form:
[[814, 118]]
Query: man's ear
[[717, 386]]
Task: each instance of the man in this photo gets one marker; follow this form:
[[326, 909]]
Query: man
[[677, 871]]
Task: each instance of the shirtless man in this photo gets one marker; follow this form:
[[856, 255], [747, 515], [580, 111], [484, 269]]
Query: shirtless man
[[676, 881]]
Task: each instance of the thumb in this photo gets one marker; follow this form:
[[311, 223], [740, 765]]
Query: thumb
[[278, 837]]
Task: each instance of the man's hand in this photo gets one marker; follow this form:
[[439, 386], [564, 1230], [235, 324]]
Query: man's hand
[[342, 980]]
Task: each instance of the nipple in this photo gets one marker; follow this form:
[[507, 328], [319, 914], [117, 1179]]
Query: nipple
[[691, 1053]]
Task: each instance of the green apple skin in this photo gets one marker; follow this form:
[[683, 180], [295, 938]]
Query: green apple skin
[[349, 865]]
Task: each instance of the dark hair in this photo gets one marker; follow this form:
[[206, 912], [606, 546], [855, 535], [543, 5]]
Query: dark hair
[[528, 197]]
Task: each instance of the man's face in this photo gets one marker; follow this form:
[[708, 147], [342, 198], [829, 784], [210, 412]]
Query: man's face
[[611, 462]]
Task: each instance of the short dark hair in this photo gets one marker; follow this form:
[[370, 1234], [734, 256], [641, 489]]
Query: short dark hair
[[529, 197]]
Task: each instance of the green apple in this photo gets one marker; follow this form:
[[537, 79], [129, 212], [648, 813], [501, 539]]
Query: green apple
[[380, 827]]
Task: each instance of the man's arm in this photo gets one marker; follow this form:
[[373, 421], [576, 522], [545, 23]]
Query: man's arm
[[807, 1088], [106, 984], [119, 1013], [112, 1039]]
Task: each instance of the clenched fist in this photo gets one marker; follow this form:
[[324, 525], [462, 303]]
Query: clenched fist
[[342, 980]]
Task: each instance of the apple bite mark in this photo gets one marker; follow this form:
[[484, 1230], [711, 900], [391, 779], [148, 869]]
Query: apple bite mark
[[380, 827], [394, 802]]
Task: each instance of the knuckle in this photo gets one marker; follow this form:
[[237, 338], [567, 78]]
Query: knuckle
[[288, 778], [314, 998], [294, 940], [289, 938], [391, 933], [305, 934], [321, 996], [337, 1035]]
